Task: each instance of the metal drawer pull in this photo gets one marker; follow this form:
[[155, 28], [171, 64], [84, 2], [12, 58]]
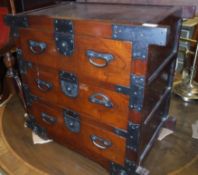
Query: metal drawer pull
[[101, 99], [105, 58], [43, 85], [100, 142], [37, 47], [48, 119]]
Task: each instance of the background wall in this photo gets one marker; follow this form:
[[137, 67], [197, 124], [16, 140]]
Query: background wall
[[152, 2]]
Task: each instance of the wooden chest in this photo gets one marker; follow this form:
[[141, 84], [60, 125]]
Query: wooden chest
[[97, 78]]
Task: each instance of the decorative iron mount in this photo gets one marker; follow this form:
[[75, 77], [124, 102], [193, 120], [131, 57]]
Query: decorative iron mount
[[128, 169], [37, 129], [23, 64], [141, 37], [135, 91], [132, 135], [15, 22], [29, 97], [64, 36]]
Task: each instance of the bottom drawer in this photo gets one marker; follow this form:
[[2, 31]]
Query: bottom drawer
[[70, 128]]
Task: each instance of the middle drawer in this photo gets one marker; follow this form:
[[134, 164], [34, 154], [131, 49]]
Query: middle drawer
[[65, 90]]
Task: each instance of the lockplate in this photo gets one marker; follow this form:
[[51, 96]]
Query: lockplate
[[69, 84], [72, 120], [141, 37], [64, 36]]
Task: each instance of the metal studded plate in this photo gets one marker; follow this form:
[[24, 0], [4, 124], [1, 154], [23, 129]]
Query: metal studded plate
[[141, 37], [64, 36], [15, 22]]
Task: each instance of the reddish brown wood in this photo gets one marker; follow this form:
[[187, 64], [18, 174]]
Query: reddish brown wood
[[114, 73], [60, 132], [117, 116], [92, 25]]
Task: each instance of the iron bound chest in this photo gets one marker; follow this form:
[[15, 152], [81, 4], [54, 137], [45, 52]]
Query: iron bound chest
[[97, 78]]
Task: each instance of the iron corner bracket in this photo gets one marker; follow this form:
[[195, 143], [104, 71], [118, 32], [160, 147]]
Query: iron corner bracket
[[132, 136], [141, 37], [16, 22], [128, 169], [135, 91], [29, 97], [37, 129], [23, 64]]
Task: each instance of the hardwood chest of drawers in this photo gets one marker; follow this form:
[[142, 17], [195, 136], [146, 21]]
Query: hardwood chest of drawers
[[97, 78]]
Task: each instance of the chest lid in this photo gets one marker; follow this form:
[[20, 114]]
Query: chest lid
[[119, 13]]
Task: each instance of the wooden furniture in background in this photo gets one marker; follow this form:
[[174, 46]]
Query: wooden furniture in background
[[4, 39]]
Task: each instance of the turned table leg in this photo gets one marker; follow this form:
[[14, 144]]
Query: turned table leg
[[4, 97], [11, 80]]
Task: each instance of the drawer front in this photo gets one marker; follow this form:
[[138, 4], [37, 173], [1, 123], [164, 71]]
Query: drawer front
[[88, 138], [39, 47], [95, 58], [101, 104], [104, 59]]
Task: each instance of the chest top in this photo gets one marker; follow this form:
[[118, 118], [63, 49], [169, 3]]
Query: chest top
[[107, 12]]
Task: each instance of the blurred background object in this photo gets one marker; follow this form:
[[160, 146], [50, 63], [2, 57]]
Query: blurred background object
[[185, 85]]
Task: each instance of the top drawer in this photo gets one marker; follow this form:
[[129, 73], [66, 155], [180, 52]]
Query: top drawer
[[95, 58]]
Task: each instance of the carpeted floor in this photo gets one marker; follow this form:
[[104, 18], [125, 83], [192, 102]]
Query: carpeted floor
[[2, 172]]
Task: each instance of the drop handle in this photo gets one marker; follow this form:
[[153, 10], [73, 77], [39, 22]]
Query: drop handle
[[37, 47], [101, 99], [48, 119], [44, 85], [100, 142], [103, 58]]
